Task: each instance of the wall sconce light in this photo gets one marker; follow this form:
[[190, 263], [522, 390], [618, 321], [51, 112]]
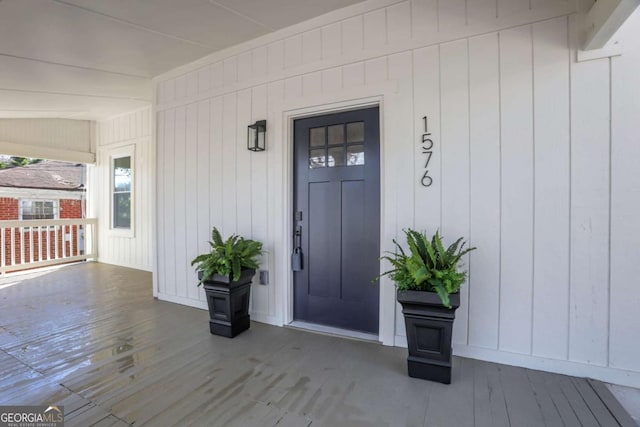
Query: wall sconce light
[[257, 135]]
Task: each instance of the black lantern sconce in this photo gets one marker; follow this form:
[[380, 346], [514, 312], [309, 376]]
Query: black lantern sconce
[[257, 135]]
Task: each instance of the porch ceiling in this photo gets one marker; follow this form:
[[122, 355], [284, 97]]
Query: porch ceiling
[[91, 337], [90, 59]]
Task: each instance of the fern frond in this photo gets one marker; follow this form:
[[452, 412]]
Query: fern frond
[[451, 250], [216, 237], [442, 293], [427, 265]]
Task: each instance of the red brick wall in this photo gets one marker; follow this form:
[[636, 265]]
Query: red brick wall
[[8, 208], [68, 208]]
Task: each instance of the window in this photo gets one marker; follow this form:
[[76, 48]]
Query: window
[[122, 174], [38, 209], [334, 146]]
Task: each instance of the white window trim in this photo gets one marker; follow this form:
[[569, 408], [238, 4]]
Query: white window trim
[[125, 151]]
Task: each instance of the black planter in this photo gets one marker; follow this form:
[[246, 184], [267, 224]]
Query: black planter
[[228, 303], [429, 328]]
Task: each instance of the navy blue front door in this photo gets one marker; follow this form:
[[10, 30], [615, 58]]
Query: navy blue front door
[[337, 217]]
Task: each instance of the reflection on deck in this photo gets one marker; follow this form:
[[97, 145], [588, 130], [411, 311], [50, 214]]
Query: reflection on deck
[[92, 338]]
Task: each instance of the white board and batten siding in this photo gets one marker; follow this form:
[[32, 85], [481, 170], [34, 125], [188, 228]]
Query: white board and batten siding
[[127, 133], [624, 298], [525, 165]]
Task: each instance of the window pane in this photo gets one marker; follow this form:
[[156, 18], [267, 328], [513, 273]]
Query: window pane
[[355, 132], [37, 209], [336, 156], [44, 210], [122, 210], [122, 162], [316, 159], [336, 134], [122, 174], [316, 137], [355, 155]]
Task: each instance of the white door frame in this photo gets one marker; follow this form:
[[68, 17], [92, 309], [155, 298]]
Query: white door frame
[[382, 95]]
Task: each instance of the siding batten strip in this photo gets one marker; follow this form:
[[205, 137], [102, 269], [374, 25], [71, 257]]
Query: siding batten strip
[[610, 105], [468, 236], [440, 139], [533, 181], [417, 135], [500, 169], [570, 198]]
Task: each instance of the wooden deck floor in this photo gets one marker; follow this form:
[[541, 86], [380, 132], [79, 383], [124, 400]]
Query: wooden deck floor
[[91, 337]]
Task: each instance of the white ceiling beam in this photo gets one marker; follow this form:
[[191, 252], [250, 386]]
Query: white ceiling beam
[[603, 20], [51, 153]]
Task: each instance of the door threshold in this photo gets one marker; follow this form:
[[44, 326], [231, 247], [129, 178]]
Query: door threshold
[[330, 330]]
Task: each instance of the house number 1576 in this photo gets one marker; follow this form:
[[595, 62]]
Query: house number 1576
[[426, 149]]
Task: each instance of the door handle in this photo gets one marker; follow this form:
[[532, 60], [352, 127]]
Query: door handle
[[296, 256], [297, 238]]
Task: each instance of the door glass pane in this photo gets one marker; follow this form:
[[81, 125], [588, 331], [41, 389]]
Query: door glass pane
[[316, 159], [355, 155], [335, 157], [336, 134], [355, 132], [316, 137]]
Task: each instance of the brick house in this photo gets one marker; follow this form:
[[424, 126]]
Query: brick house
[[49, 190]]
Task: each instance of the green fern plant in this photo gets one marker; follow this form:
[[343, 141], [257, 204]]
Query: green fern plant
[[427, 266], [227, 257]]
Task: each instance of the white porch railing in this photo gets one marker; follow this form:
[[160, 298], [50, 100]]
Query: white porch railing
[[40, 243]]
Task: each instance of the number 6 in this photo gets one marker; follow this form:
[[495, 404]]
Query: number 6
[[426, 177]]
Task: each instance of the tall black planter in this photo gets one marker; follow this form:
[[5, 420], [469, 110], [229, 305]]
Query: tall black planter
[[429, 328], [228, 303]]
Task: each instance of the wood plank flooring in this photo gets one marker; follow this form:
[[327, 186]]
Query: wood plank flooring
[[92, 338]]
